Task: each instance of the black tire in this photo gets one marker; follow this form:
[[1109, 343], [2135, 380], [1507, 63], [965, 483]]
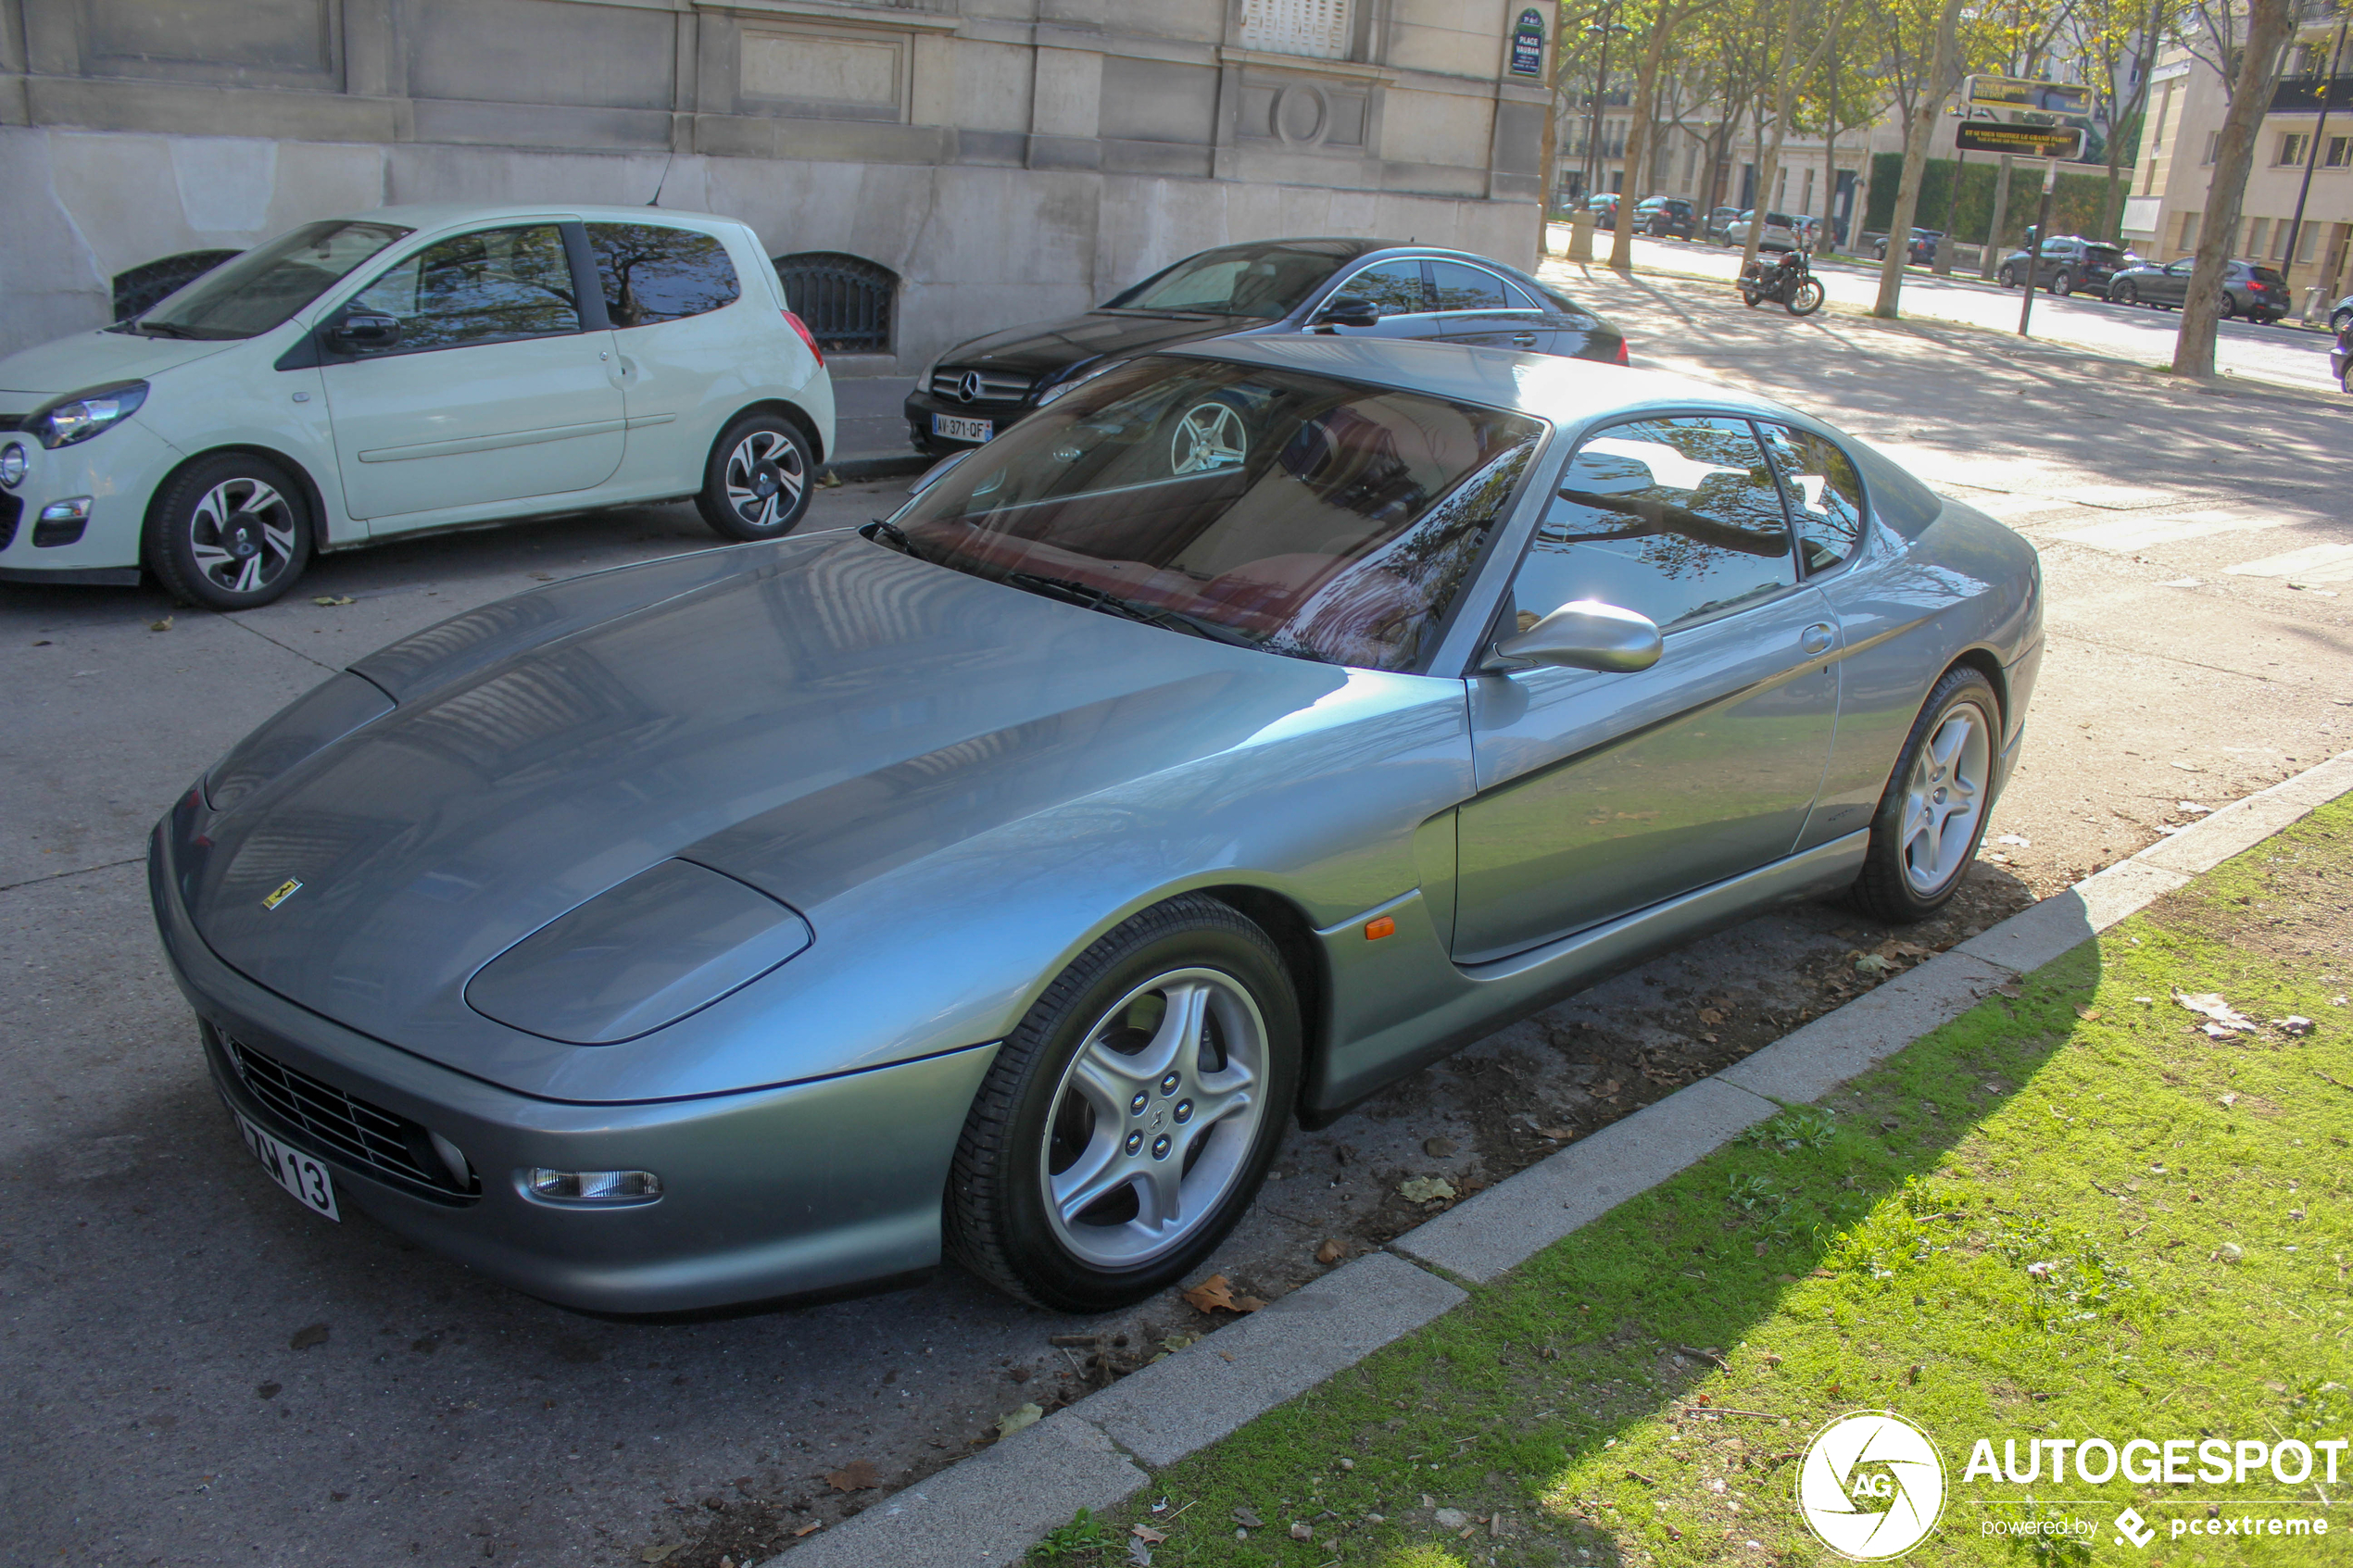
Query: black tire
[[1887, 888], [232, 530], [757, 480], [2062, 283], [2345, 381], [2339, 319], [2007, 278], [2229, 307], [1806, 298], [997, 1214], [1751, 298], [2126, 294]]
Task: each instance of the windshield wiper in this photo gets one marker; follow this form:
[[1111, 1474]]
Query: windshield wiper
[[164, 328], [1087, 595], [886, 532]]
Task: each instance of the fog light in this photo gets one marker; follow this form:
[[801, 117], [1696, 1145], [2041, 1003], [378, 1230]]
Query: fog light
[[592, 1186], [73, 509], [61, 522], [460, 1170], [14, 462]]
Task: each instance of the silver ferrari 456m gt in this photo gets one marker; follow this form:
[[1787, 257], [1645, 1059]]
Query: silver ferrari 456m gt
[[995, 882]]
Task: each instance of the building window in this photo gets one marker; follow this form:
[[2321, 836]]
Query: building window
[[2187, 240], [2340, 152], [2256, 228], [1297, 27], [2307, 242], [844, 300], [2213, 146], [2292, 145]]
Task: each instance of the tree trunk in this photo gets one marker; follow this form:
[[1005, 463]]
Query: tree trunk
[[1993, 257], [1638, 138], [2267, 25], [1547, 177], [1908, 190], [1830, 162]]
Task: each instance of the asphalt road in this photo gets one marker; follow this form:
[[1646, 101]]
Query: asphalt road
[[2284, 354], [198, 1371]]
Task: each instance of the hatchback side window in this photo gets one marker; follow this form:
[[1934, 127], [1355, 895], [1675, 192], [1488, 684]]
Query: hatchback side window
[[1825, 494], [1395, 286], [1466, 288], [651, 272], [491, 286], [1676, 519]]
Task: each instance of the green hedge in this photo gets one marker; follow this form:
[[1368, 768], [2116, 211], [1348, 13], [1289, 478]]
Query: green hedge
[[2075, 205]]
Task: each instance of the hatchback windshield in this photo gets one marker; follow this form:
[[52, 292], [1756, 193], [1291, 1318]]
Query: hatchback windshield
[[267, 284], [1268, 282], [1275, 511]]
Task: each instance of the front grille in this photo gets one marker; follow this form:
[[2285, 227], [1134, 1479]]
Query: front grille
[[995, 386], [11, 422], [394, 1148], [11, 509]]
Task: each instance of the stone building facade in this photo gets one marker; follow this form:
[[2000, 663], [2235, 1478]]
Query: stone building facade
[[998, 160], [2301, 154]]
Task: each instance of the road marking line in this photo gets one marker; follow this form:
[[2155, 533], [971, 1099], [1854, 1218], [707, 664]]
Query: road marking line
[[2317, 563]]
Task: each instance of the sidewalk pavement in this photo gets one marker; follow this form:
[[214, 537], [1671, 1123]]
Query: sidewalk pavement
[[1103, 1449], [870, 430]]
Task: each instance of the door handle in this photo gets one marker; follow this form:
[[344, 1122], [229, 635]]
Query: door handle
[[1817, 638], [1525, 340]]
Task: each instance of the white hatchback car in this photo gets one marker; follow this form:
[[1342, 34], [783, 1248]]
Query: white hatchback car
[[408, 369]]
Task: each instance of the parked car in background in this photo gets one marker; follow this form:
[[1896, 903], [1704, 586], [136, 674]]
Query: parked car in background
[[2342, 317], [2250, 289], [1334, 288], [1920, 251], [1719, 224], [407, 370], [1780, 231], [1603, 206], [1665, 218], [2069, 262], [1000, 882]]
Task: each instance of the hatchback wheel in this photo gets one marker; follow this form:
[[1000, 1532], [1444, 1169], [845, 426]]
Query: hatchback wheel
[[2339, 321], [229, 531], [2230, 306], [1933, 814], [2007, 279], [756, 481], [2062, 284], [1128, 1121], [2126, 294]]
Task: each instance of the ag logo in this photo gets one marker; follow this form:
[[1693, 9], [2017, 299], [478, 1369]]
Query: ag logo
[[286, 890], [1871, 1485]]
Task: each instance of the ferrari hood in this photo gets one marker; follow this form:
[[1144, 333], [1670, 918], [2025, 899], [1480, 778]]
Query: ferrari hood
[[802, 718], [96, 359]]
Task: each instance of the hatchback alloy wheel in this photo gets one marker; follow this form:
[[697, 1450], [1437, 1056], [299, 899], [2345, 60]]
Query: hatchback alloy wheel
[[756, 485], [229, 531]]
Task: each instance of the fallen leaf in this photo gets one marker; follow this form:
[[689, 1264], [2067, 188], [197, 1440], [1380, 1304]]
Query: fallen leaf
[[1330, 1252], [1873, 963], [2223, 1019], [1558, 1134], [1710, 1016], [1216, 1294], [2020, 840], [859, 1475], [1247, 1520], [1425, 1189], [1138, 1555], [1302, 1531], [1008, 1423], [2192, 807], [1439, 1148], [163, 625], [1176, 1342], [330, 600], [1146, 1533], [656, 1553], [809, 1529], [305, 1337]]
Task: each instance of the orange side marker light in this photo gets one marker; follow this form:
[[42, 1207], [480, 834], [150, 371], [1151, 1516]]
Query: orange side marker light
[[1377, 929]]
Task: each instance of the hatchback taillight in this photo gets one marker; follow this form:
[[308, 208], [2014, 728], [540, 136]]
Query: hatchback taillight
[[797, 324], [1621, 352]]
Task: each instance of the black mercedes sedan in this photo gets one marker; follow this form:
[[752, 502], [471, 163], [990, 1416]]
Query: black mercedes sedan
[[1271, 288]]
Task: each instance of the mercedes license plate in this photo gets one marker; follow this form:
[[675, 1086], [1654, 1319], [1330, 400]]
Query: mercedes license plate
[[956, 429]]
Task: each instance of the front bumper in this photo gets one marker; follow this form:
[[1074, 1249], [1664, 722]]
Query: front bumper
[[809, 1189], [117, 471]]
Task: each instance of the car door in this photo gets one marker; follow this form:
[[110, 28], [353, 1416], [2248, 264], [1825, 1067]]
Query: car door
[[1477, 306], [1601, 793], [2172, 285], [1399, 290], [667, 293], [494, 388]]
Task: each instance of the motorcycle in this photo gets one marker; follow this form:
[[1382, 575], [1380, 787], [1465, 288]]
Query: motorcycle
[[1788, 279]]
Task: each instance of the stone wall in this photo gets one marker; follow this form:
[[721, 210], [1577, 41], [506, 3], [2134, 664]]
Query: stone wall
[[1008, 159]]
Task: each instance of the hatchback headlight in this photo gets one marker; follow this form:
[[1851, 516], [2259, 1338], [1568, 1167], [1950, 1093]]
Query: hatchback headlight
[[13, 462], [81, 415]]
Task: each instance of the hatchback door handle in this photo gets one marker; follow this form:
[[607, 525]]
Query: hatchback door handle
[[1525, 340], [1817, 638]]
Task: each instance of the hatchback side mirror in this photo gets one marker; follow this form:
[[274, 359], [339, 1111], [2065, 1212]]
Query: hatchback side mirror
[[1347, 310], [1587, 635], [363, 332]]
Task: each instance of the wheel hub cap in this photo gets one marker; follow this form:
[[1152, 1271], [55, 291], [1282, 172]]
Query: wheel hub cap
[[1945, 800]]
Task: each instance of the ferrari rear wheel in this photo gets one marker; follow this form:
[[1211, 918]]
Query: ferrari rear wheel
[[1129, 1120], [1933, 815]]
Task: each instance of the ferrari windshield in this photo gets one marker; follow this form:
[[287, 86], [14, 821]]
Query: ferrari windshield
[[1268, 282], [1278, 510], [261, 288]]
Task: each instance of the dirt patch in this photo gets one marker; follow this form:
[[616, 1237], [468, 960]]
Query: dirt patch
[[2295, 902]]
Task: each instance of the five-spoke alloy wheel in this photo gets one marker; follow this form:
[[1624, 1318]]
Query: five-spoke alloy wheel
[[1934, 811], [1127, 1121], [1208, 437], [229, 531], [756, 485]]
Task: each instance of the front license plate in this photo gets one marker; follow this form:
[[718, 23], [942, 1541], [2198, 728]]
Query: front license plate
[[956, 429], [291, 1169]]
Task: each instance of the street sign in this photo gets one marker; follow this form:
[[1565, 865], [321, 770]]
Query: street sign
[[1528, 43], [2024, 92], [2025, 141]]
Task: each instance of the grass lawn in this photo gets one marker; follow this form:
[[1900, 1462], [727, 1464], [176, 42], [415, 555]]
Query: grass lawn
[[2068, 1214]]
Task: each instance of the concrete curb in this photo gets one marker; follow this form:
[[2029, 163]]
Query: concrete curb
[[990, 1509]]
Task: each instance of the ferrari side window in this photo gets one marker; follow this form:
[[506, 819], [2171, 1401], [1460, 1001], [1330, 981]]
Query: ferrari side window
[[1825, 496], [1675, 519]]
